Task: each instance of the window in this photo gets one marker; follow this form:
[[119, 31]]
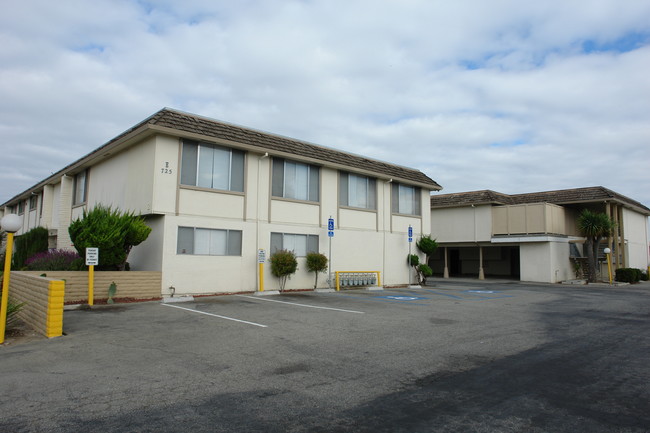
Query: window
[[405, 199], [299, 244], [209, 242], [21, 207], [358, 191], [213, 167], [33, 202], [295, 180], [80, 183]]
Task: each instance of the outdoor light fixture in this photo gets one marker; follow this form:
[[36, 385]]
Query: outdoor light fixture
[[608, 252], [10, 223]]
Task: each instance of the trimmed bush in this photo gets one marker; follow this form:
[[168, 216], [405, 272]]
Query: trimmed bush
[[628, 275], [55, 260], [283, 265], [316, 262], [29, 244], [110, 230]]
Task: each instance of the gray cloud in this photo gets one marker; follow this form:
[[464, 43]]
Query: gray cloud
[[505, 95]]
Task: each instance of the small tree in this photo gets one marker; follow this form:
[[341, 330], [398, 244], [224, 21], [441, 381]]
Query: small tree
[[428, 246], [113, 232], [283, 265], [594, 226], [316, 262]]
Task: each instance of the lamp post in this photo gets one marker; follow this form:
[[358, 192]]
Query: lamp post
[[608, 253], [10, 223]]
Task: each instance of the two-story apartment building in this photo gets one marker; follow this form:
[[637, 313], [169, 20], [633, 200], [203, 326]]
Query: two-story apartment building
[[215, 194], [532, 237]]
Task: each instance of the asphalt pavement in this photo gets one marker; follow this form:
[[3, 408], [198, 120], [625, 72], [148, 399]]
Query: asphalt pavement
[[456, 356]]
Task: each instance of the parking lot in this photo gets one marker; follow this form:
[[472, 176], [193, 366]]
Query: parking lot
[[453, 356]]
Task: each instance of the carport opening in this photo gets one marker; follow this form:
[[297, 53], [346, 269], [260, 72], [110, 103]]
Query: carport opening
[[463, 262]]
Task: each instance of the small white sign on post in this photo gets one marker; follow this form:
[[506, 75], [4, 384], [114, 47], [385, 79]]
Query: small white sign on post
[[261, 256], [92, 256]]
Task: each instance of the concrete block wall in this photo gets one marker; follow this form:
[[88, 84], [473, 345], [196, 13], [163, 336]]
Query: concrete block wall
[[43, 299], [130, 284]]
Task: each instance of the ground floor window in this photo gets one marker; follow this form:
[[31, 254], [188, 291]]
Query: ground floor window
[[209, 242], [299, 244]]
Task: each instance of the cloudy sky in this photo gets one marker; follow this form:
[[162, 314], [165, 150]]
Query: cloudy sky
[[506, 95]]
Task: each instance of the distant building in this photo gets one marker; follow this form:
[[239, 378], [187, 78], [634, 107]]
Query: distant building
[[215, 194], [531, 237]]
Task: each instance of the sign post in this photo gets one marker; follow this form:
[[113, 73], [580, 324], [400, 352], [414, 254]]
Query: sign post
[[410, 233], [330, 235], [261, 258], [92, 259]]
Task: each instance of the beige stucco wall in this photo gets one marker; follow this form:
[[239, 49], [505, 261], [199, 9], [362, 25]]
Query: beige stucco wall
[[636, 237], [363, 241], [545, 262], [124, 181], [462, 224]]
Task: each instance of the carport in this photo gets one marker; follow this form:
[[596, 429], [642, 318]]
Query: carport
[[482, 261]]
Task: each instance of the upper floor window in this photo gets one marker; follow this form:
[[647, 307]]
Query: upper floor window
[[295, 180], [358, 191], [33, 202], [80, 186], [209, 242], [21, 207], [405, 199], [299, 244], [210, 166]]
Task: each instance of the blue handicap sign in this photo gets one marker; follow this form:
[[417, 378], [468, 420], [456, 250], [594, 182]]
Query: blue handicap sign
[[330, 224], [402, 298]]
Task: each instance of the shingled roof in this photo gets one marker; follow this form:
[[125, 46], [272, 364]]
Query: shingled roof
[[185, 122], [594, 194]]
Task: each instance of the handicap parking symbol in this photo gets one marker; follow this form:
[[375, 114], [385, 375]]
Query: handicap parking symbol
[[402, 298]]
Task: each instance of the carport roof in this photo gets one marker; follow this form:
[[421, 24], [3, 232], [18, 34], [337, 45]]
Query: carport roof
[[594, 194]]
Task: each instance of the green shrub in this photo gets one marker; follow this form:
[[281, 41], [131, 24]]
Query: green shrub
[[413, 260], [29, 244], [283, 265], [628, 275], [112, 231], [13, 308], [425, 270], [316, 262]]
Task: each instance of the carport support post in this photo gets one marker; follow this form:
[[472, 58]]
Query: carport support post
[[481, 274], [446, 271]]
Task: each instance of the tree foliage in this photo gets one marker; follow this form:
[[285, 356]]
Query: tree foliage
[[29, 244], [115, 233], [427, 246], [316, 262], [594, 226], [283, 265]]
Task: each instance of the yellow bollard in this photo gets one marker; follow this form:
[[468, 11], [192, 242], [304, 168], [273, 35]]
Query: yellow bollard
[[91, 283], [5, 286], [261, 277]]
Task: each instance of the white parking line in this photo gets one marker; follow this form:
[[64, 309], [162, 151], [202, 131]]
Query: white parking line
[[215, 315], [301, 305]]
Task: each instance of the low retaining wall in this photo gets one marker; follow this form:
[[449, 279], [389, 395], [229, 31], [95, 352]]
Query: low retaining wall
[[43, 298], [130, 284]]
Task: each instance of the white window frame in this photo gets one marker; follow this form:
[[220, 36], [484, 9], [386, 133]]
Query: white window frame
[[212, 242], [200, 157], [402, 203], [295, 180], [80, 188], [300, 244], [350, 194]]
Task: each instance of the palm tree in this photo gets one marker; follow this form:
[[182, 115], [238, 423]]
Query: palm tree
[[594, 226]]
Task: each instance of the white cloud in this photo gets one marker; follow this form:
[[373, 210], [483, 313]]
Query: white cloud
[[500, 95]]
